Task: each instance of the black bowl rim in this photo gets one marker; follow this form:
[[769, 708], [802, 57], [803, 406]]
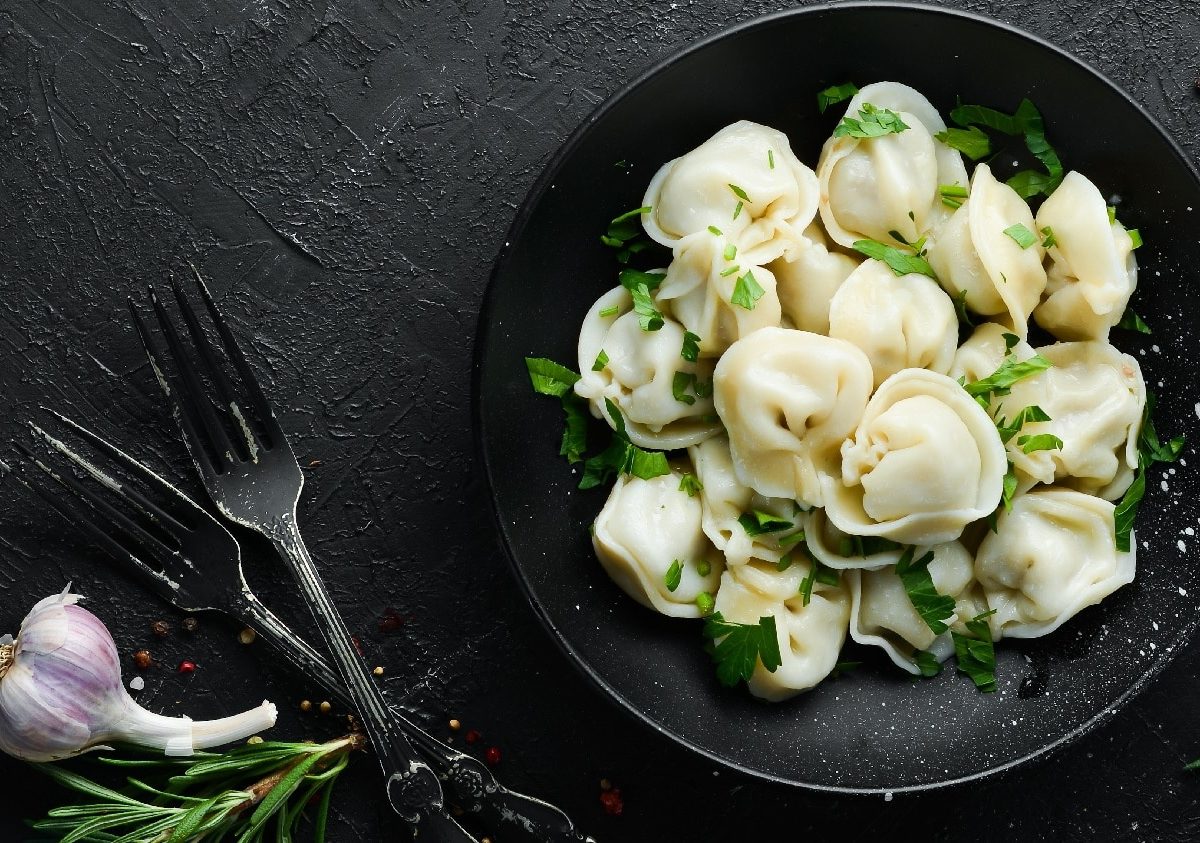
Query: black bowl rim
[[533, 197]]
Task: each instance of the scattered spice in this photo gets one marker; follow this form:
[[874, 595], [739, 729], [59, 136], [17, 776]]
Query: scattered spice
[[247, 635], [492, 755], [326, 707], [161, 628], [473, 736], [377, 671], [391, 620], [142, 659], [186, 666], [612, 802], [306, 705], [190, 624], [455, 725]]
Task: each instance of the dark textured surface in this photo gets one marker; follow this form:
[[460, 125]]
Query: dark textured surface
[[344, 174]]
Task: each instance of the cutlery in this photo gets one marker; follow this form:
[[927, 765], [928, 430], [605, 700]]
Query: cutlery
[[185, 556]]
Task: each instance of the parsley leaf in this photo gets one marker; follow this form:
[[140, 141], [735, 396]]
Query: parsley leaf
[[1150, 451], [624, 234], [1039, 442], [673, 576], [622, 456], [933, 608], [649, 316], [730, 252], [739, 647], [972, 142], [705, 603], [737, 209], [1050, 240], [739, 193], [1021, 234], [680, 383], [691, 347], [628, 215], [1026, 121], [757, 523], [574, 438], [704, 567], [691, 484], [871, 122], [817, 573], [631, 279], [1126, 512], [901, 263], [1009, 488], [746, 291], [960, 307], [975, 653], [712, 229], [550, 378], [1002, 380], [1130, 321], [865, 546], [1135, 237], [927, 663], [835, 94], [601, 361], [1032, 413]]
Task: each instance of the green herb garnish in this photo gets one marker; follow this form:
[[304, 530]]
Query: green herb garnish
[[1001, 381], [739, 647], [757, 523], [972, 142], [1032, 413], [1039, 442], [1150, 450], [817, 573], [1135, 237], [835, 94], [975, 653], [673, 576], [730, 252], [625, 234], [622, 456], [901, 263], [714, 230], [649, 316], [691, 347], [770, 159], [933, 608], [1021, 235], [680, 384], [1130, 321], [550, 378], [631, 279], [612, 310], [871, 122], [703, 567], [1026, 121], [601, 361], [746, 291], [960, 307], [705, 603], [927, 663], [691, 484], [1050, 240]]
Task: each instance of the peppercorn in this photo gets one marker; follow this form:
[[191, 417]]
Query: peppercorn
[[190, 624], [326, 707], [455, 725], [306, 705], [142, 659], [378, 671], [247, 635], [161, 628]]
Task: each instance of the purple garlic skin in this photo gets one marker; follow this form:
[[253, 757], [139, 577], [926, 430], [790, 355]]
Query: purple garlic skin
[[61, 693]]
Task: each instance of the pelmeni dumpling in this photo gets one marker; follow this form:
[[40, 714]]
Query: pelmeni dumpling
[[882, 615], [1052, 555], [972, 253], [699, 291], [842, 551], [874, 186], [695, 191], [644, 527], [1094, 271], [898, 478], [724, 499], [984, 351], [810, 637], [1094, 396], [788, 399], [900, 322], [807, 281], [639, 374]]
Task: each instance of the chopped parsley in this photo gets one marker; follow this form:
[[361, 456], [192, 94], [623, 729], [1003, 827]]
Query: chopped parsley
[[927, 663], [900, 262], [1002, 380], [601, 361], [871, 122], [1130, 321], [746, 291], [1032, 413], [691, 484], [1135, 237], [737, 209], [624, 234], [933, 608], [691, 347], [972, 142], [835, 94], [550, 378], [757, 523], [683, 381], [730, 252], [1027, 122], [739, 193], [960, 307], [649, 316], [1112, 214], [631, 279], [613, 310], [622, 456], [737, 648], [703, 567], [1039, 442], [1009, 488], [715, 231], [865, 546], [705, 603], [673, 576], [1021, 235], [1050, 241], [729, 270], [817, 573], [975, 653], [770, 159], [1150, 450]]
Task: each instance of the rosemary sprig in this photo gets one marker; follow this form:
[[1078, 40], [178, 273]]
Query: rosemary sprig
[[249, 792]]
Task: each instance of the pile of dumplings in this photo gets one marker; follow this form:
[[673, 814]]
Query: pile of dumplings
[[836, 403]]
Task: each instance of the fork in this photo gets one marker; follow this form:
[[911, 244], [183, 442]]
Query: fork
[[190, 560], [254, 479]]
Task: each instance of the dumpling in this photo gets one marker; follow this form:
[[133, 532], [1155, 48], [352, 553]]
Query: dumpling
[[725, 499], [900, 322], [1052, 555], [700, 290], [788, 399], [1094, 271], [644, 527], [744, 181], [835, 549], [972, 253], [871, 187], [984, 351], [810, 637], [806, 283], [639, 376], [882, 615], [925, 461], [1094, 396]]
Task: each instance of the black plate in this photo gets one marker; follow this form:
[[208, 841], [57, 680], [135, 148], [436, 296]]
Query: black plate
[[874, 729]]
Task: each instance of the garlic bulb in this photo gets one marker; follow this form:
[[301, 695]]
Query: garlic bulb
[[61, 693]]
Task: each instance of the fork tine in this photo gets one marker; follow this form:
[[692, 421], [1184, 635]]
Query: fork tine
[[262, 407], [139, 470], [180, 402], [227, 395]]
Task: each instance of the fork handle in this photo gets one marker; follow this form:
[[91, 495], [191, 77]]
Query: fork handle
[[413, 789]]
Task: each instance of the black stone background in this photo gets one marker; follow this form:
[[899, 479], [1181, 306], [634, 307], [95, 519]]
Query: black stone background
[[344, 173]]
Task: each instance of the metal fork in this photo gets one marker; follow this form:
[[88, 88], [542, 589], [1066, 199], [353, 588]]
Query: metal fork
[[190, 560], [254, 479]]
